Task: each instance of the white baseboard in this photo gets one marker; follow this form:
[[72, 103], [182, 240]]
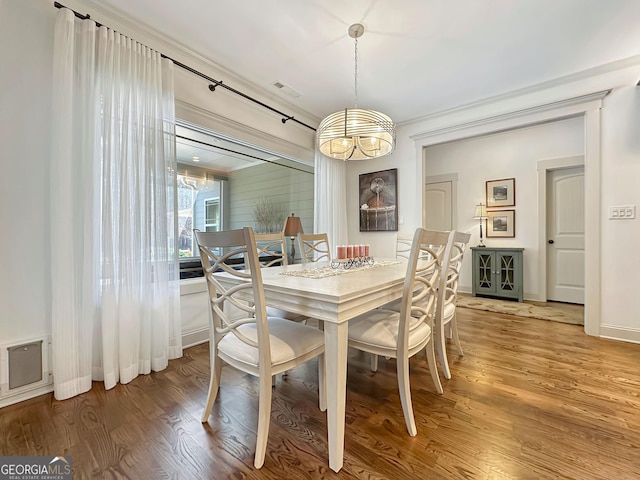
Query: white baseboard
[[189, 339], [623, 334], [195, 337]]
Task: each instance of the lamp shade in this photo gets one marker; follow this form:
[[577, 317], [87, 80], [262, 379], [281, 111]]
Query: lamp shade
[[356, 134], [481, 211], [292, 226]]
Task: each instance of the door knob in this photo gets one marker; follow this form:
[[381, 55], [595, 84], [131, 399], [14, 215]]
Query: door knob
[[551, 242]]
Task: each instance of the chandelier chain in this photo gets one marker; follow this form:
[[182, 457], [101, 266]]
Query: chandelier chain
[[355, 75]]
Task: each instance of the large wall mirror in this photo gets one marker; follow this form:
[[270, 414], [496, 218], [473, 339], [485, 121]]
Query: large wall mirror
[[225, 184]]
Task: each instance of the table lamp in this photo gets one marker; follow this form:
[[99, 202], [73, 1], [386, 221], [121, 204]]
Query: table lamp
[[292, 227], [481, 214]]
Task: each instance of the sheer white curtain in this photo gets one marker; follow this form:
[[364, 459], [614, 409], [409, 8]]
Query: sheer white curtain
[[114, 265], [330, 209]]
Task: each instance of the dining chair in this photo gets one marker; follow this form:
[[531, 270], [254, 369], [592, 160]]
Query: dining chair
[[314, 247], [272, 246], [445, 318], [403, 334], [404, 242], [403, 245], [250, 341]]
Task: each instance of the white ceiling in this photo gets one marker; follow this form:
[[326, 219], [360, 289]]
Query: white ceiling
[[416, 57]]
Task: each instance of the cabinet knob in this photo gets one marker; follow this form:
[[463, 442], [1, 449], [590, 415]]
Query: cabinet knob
[[551, 242]]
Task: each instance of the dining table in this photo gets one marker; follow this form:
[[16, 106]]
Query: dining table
[[334, 293]]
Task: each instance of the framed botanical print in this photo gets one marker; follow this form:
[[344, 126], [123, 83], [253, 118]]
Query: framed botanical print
[[501, 193], [501, 224]]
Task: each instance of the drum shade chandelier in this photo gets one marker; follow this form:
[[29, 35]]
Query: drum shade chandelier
[[356, 133]]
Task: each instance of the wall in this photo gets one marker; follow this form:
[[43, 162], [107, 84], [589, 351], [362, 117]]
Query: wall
[[287, 188], [25, 119], [511, 154]]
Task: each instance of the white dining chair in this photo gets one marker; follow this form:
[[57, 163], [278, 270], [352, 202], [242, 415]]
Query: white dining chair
[[314, 247], [403, 245], [252, 342], [403, 334], [445, 319], [404, 242], [272, 246]]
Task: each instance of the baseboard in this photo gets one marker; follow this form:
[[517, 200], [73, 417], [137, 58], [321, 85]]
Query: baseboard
[[21, 397], [195, 337], [623, 334], [189, 339]]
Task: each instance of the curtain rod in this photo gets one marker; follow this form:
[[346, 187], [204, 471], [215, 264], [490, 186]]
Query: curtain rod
[[215, 83]]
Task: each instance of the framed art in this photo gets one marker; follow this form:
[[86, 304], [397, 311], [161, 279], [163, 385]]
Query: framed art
[[501, 224], [378, 201], [501, 193]]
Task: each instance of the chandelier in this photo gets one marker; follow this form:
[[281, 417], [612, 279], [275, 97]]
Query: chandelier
[[356, 133]]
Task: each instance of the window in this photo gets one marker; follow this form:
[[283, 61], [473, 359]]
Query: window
[[199, 206], [212, 214]]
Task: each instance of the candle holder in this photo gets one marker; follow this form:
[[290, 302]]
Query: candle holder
[[353, 262]]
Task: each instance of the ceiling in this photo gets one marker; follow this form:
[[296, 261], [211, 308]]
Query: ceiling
[[416, 57]]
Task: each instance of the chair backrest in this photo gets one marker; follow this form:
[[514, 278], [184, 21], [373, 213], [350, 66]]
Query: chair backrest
[[228, 301], [271, 245], [314, 247], [419, 295], [404, 242], [448, 289]]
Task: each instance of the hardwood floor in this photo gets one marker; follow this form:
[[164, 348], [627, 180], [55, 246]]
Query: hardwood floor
[[530, 399]]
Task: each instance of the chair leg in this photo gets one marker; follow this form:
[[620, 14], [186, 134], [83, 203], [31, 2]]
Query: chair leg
[[214, 384], [454, 335], [264, 413], [405, 395], [433, 368], [374, 362], [322, 386], [441, 326]]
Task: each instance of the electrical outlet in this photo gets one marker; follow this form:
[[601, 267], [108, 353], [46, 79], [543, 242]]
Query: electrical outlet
[[622, 212]]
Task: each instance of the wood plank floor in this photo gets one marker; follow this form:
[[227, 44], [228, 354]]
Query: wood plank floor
[[531, 399]]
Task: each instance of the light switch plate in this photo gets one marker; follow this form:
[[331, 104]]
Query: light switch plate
[[622, 212]]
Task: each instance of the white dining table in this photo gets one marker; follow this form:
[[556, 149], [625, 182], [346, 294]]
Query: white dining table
[[334, 299]]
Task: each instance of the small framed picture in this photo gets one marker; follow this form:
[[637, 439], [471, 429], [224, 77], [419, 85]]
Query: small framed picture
[[501, 193], [501, 224]]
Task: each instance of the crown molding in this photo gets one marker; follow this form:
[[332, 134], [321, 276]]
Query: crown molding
[[531, 111], [607, 68]]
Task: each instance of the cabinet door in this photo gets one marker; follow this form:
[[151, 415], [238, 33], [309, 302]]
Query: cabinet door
[[483, 265], [508, 274]]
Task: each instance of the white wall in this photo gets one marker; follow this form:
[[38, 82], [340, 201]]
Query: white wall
[[25, 120], [620, 238], [511, 154]]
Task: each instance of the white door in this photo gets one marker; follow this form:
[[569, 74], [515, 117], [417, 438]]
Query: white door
[[438, 206], [565, 235]]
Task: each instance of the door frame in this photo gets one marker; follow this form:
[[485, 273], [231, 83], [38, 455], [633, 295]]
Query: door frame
[[545, 166], [588, 107]]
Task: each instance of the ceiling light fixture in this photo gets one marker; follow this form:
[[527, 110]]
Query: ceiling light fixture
[[355, 133]]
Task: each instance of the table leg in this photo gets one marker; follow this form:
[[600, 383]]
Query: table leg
[[336, 340]]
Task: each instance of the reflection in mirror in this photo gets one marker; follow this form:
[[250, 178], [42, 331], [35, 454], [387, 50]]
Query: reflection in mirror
[[224, 184]]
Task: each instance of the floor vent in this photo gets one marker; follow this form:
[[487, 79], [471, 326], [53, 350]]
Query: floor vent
[[24, 366]]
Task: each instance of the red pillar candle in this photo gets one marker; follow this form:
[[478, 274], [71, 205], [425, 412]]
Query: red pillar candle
[[342, 252], [349, 251], [366, 250]]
